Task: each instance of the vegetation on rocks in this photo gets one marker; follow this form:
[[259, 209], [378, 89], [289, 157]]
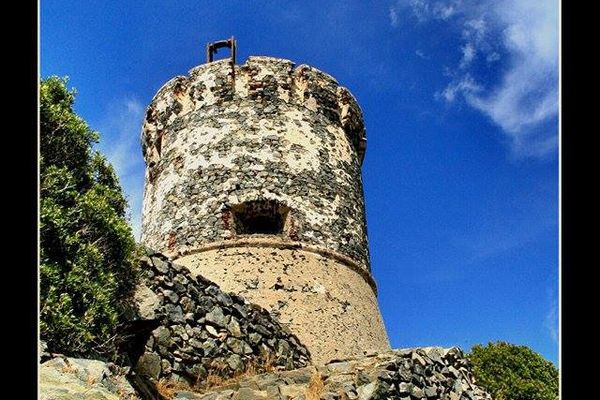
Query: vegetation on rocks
[[87, 250], [511, 372]]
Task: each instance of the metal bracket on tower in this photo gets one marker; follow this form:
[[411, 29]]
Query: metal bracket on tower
[[212, 47]]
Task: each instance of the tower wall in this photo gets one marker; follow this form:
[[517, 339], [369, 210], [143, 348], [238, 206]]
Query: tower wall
[[253, 180]]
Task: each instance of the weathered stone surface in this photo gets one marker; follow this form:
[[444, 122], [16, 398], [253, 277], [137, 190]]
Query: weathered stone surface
[[64, 378], [366, 392], [162, 335], [171, 295], [211, 330], [239, 346], [292, 391], [216, 317], [379, 380], [147, 302], [174, 312], [43, 351], [430, 391], [235, 362], [159, 265], [149, 364], [250, 394], [283, 123], [417, 392], [234, 327]]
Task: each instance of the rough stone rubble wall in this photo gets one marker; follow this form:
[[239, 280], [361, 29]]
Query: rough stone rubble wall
[[199, 329], [431, 373], [261, 131]]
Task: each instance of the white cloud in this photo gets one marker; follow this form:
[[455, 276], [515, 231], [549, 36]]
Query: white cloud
[[466, 85], [424, 10], [120, 142], [443, 10], [527, 95], [523, 100], [420, 8], [393, 17], [469, 52], [474, 30]]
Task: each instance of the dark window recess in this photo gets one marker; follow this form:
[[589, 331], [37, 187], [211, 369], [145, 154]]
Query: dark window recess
[[259, 217]]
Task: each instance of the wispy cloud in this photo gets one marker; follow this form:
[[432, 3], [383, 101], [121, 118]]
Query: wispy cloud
[[456, 87], [393, 17], [445, 10], [508, 225], [524, 101], [469, 52], [421, 54], [551, 319], [120, 133], [492, 239], [424, 10]]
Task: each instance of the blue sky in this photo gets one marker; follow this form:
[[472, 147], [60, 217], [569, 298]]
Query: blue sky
[[460, 100]]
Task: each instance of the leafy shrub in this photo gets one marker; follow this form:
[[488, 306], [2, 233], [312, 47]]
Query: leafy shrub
[[87, 250], [511, 372]]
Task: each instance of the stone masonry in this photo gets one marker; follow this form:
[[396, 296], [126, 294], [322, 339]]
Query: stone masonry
[[216, 140], [429, 373], [186, 328], [253, 181]]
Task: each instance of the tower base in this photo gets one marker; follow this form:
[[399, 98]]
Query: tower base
[[323, 297]]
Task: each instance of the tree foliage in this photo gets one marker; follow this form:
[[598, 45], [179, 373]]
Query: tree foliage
[[87, 250], [511, 372]]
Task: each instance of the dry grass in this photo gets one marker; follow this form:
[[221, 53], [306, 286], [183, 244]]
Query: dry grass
[[217, 377], [167, 389], [315, 387], [68, 368]]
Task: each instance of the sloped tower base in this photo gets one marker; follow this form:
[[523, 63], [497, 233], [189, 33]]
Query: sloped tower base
[[321, 296]]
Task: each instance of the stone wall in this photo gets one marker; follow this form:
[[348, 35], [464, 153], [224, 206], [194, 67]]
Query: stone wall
[[227, 137], [185, 328], [431, 373]]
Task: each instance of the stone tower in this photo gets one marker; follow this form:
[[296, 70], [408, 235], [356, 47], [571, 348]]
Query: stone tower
[[253, 180]]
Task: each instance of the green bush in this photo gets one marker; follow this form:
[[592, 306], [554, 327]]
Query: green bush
[[87, 250], [511, 372]]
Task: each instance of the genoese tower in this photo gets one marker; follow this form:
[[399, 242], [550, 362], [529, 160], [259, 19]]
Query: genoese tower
[[253, 180]]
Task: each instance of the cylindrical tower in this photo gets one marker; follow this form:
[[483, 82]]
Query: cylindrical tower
[[253, 180]]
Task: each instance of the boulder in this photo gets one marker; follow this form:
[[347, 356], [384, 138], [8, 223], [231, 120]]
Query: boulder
[[63, 378]]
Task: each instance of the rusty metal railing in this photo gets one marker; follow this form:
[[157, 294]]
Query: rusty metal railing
[[213, 47]]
